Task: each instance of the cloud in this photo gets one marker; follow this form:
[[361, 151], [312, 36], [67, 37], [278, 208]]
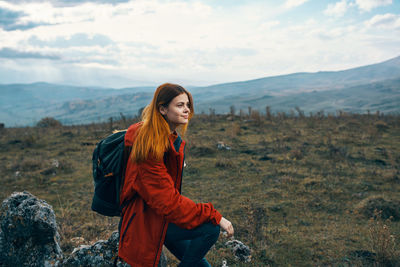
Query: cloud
[[368, 5], [294, 3], [10, 20], [28, 15], [76, 40], [159, 40], [68, 2], [337, 9], [14, 54], [384, 21], [9, 17]]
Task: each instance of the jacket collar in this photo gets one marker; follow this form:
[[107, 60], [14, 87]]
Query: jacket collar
[[175, 142]]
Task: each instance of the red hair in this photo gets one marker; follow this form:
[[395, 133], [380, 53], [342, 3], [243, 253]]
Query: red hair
[[152, 137]]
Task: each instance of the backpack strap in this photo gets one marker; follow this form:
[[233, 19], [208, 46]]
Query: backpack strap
[[125, 158]]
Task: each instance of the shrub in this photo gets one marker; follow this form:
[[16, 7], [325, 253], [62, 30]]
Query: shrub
[[381, 126], [383, 242], [387, 208], [28, 165], [48, 122], [224, 163], [236, 130], [296, 154], [201, 151], [257, 220]]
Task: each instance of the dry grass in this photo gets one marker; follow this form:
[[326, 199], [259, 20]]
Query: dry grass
[[383, 242], [291, 185]]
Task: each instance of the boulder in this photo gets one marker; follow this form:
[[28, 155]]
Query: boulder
[[240, 250], [28, 235], [101, 253]]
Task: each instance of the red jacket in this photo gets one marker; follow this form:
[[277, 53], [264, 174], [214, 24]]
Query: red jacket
[[158, 202]]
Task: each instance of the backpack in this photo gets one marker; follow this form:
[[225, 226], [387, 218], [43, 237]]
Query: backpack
[[109, 162]]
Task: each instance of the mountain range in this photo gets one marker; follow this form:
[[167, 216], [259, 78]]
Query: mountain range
[[358, 90]]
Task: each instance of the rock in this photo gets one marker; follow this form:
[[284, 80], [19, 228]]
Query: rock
[[222, 146], [163, 260], [28, 235], [101, 253], [240, 250]]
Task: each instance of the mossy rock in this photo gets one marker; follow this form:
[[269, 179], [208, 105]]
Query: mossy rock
[[387, 208]]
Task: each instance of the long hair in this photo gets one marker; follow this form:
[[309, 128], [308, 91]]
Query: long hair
[[152, 137]]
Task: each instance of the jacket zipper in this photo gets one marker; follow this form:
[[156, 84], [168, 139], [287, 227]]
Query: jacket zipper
[[177, 175], [183, 165], [126, 228], [162, 231]]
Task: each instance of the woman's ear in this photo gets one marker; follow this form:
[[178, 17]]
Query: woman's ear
[[163, 110]]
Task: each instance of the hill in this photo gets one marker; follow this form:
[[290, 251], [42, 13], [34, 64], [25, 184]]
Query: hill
[[383, 96], [25, 104], [374, 87], [303, 82]]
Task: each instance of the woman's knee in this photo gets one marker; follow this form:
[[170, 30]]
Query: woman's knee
[[212, 230], [216, 230]]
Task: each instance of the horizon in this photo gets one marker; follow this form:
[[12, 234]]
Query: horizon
[[131, 43], [193, 85]]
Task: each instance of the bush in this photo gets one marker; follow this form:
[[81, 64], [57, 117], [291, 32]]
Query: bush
[[383, 241], [224, 163], [28, 165], [201, 151], [386, 208], [48, 122], [381, 126]]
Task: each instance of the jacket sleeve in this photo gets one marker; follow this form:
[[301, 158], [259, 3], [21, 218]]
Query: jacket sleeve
[[156, 187]]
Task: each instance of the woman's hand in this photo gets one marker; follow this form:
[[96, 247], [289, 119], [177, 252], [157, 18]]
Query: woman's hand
[[227, 226]]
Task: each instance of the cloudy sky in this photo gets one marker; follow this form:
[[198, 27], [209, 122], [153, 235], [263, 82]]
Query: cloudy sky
[[192, 42]]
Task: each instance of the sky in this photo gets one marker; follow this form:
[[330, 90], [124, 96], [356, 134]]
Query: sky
[[122, 43]]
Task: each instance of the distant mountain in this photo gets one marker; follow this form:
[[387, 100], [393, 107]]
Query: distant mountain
[[383, 96], [25, 104], [373, 87], [296, 82], [85, 111], [285, 92]]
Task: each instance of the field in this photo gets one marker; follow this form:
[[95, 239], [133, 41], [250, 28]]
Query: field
[[318, 190]]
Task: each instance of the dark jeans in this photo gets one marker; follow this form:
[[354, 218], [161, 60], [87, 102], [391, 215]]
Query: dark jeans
[[190, 246]]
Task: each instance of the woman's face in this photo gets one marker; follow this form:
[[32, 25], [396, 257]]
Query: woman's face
[[177, 112]]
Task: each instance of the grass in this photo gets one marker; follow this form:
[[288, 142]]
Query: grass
[[293, 187]]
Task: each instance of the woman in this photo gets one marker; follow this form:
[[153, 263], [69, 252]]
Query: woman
[[156, 213]]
